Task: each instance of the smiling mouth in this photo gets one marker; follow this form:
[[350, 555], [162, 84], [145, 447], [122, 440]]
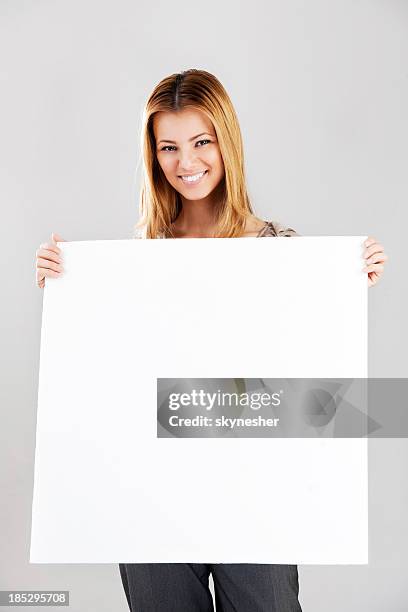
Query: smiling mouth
[[193, 178]]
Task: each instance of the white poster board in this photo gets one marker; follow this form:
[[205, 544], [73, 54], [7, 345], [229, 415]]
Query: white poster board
[[125, 312]]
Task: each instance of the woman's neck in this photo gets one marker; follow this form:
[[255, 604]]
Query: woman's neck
[[197, 218]]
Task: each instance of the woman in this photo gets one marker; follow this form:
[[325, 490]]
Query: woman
[[194, 187]]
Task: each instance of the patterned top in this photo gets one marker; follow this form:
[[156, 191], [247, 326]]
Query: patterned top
[[273, 228]]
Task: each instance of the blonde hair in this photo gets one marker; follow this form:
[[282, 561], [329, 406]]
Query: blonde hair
[[160, 203]]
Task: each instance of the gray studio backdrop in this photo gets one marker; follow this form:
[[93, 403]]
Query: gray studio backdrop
[[321, 91]]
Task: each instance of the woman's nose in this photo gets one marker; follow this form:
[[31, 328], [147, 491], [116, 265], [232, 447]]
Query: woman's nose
[[187, 160]]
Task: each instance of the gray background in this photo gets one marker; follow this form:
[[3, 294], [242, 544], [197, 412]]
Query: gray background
[[321, 91]]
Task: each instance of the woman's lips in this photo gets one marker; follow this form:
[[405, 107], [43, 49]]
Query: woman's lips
[[195, 181]]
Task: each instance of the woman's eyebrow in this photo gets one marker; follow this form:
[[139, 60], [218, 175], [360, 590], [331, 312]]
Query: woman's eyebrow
[[193, 138]]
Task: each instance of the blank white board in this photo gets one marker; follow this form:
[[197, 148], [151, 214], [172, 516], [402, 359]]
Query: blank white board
[[125, 312]]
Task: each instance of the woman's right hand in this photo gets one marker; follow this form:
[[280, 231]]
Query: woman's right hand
[[48, 262]]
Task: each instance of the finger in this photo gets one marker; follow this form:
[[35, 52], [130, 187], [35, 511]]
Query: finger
[[48, 254], [57, 238], [373, 278], [374, 268], [50, 246], [43, 272], [377, 258], [39, 273], [370, 240], [376, 247], [47, 264]]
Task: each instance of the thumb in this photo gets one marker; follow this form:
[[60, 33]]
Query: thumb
[[57, 238]]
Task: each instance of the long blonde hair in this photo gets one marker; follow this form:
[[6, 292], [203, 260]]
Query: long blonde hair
[[160, 203]]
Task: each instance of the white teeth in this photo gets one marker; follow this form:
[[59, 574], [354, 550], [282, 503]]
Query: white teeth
[[194, 177]]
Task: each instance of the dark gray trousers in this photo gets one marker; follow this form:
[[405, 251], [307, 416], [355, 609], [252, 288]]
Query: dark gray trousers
[[183, 587]]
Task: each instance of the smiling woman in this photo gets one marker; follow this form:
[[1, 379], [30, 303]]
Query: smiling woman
[[194, 186], [192, 165], [194, 177]]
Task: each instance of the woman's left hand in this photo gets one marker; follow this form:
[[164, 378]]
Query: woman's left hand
[[375, 259]]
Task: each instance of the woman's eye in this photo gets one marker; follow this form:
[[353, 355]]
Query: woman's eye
[[167, 147]]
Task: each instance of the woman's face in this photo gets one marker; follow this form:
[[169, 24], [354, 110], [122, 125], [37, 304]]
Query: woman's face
[[188, 152]]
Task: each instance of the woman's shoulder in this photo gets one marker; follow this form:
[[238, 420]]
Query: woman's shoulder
[[275, 228]]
